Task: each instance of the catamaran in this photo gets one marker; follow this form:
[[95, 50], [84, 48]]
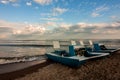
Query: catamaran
[[71, 58]]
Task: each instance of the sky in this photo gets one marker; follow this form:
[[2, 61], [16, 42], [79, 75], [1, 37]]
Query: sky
[[59, 19]]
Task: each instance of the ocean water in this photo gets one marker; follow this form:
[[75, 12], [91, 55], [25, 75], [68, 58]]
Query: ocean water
[[28, 50]]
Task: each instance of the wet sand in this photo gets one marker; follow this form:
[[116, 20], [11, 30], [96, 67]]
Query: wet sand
[[16, 70], [107, 68], [11, 67]]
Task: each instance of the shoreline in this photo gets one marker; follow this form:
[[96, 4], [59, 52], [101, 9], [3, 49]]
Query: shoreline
[[23, 69], [100, 69]]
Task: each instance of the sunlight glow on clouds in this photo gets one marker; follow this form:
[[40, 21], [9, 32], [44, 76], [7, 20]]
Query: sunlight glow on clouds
[[51, 19], [58, 29], [29, 30]]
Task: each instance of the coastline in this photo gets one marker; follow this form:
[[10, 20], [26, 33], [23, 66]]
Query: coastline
[[102, 69], [16, 70]]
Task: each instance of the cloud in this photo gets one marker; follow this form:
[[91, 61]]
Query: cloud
[[58, 10], [65, 25], [7, 1], [51, 19], [50, 30], [4, 2], [13, 29], [29, 30], [95, 14], [99, 11], [55, 12], [50, 24], [28, 3], [43, 2], [87, 30], [6, 30], [101, 8], [116, 24], [111, 31], [91, 28]]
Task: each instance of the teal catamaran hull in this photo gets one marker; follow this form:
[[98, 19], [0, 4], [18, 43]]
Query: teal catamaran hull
[[70, 61]]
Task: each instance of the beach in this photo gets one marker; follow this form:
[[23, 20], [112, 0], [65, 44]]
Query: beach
[[107, 68]]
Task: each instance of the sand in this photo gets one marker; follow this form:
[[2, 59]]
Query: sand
[[107, 68]]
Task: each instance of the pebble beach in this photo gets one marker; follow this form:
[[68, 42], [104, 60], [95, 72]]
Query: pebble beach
[[107, 68]]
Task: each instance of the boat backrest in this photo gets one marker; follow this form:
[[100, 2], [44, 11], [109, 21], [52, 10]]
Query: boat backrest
[[78, 46], [73, 42], [71, 50], [96, 47], [81, 43], [90, 42], [56, 45]]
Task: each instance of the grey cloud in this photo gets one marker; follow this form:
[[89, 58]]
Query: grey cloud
[[66, 31], [6, 30]]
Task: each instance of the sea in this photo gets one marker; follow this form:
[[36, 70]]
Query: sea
[[12, 51]]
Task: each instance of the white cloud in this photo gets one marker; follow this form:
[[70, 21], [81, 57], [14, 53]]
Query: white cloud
[[50, 24], [113, 31], [115, 24], [101, 25], [43, 2], [101, 8], [95, 14], [98, 25], [31, 29], [4, 2], [7, 1], [12, 0], [83, 25], [65, 26], [99, 11], [10, 28], [51, 30], [28, 3], [58, 10], [55, 12], [51, 19], [101, 28]]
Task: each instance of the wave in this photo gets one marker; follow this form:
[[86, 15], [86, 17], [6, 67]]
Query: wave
[[9, 60]]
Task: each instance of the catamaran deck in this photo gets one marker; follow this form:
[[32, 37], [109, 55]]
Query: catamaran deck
[[80, 58], [87, 58]]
